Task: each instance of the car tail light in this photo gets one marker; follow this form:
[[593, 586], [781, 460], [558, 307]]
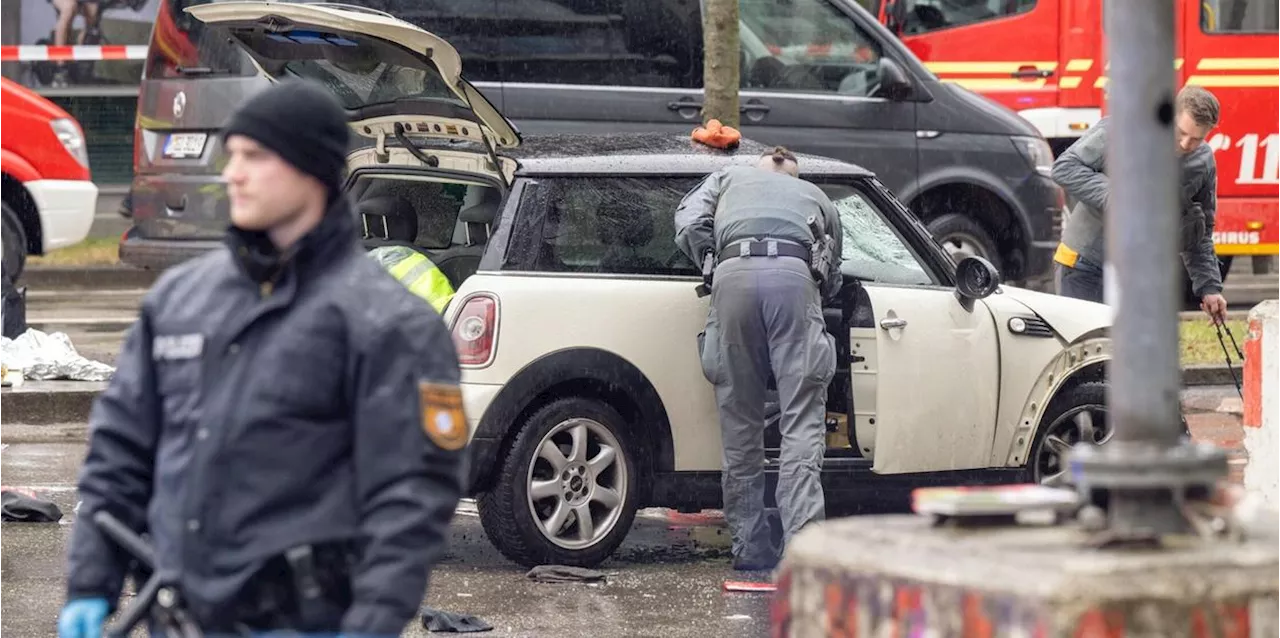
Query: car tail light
[[475, 331]]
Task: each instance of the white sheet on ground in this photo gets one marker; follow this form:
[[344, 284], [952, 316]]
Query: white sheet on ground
[[48, 357]]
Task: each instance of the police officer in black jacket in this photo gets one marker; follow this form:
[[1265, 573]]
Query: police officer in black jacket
[[285, 420]]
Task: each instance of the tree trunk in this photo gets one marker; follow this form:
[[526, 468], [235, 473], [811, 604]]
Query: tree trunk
[[720, 65]]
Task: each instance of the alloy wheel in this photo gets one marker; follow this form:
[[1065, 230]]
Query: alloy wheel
[[1087, 423], [577, 483]]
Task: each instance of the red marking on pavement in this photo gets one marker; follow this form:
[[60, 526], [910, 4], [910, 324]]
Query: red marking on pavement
[[712, 517], [748, 586], [1253, 375]]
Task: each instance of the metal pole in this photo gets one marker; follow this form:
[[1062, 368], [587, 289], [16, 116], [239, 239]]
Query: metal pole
[[1142, 225], [1147, 469]]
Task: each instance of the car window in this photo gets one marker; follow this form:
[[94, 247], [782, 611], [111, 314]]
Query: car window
[[615, 225], [806, 46], [1239, 16], [923, 16], [871, 249], [419, 210], [358, 69], [611, 42]]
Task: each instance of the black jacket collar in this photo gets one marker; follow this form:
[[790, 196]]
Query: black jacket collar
[[262, 263]]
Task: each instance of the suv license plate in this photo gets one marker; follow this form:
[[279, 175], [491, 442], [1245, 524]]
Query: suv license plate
[[183, 145]]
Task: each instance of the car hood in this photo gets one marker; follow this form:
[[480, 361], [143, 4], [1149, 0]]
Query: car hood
[[1070, 318], [377, 65]]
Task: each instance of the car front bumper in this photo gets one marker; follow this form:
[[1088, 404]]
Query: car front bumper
[[66, 209]]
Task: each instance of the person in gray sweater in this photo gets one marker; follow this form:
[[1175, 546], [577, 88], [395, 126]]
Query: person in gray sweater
[[1081, 172]]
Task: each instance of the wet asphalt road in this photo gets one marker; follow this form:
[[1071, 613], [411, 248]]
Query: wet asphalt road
[[665, 580]]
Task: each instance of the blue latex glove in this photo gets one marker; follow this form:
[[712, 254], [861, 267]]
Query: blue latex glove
[[82, 618]]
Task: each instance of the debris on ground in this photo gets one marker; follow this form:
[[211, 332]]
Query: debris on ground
[[438, 620], [48, 357], [564, 574], [20, 506], [749, 586]]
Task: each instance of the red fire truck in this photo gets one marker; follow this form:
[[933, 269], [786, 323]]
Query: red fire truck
[[1046, 60]]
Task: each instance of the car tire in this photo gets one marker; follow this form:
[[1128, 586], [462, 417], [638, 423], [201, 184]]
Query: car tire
[[1062, 424], [15, 245], [960, 236], [516, 524]]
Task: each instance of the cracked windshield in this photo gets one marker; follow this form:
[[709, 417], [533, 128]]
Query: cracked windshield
[[389, 318], [871, 250]]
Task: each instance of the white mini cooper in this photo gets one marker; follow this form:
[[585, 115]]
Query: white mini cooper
[[576, 318]]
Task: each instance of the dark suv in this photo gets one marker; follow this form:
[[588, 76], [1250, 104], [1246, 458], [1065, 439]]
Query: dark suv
[[819, 76]]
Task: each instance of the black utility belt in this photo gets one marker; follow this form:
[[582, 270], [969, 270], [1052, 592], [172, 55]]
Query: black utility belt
[[766, 248]]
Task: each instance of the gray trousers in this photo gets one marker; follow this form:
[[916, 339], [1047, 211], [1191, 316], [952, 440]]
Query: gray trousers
[[766, 315]]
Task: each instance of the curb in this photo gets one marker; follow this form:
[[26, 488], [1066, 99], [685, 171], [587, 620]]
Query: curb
[[38, 407], [102, 277], [50, 326], [1209, 374]]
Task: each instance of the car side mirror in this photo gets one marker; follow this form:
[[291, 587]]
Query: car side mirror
[[894, 84], [976, 278]]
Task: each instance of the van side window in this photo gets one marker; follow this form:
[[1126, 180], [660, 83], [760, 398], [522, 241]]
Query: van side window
[[1239, 16], [473, 27], [923, 16], [614, 225], [606, 43], [805, 46]]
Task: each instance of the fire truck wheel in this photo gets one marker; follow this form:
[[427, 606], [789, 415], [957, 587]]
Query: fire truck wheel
[[963, 237]]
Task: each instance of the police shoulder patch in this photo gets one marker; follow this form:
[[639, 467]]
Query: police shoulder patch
[[443, 419]]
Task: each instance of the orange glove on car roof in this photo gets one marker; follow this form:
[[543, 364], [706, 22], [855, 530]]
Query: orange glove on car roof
[[717, 135]]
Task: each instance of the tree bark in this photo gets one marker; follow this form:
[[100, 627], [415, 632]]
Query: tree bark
[[720, 72]]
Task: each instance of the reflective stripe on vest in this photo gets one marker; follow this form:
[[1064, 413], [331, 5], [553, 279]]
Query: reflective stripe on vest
[[418, 274]]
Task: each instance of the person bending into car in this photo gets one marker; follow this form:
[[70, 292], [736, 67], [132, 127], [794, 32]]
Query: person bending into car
[[1081, 172], [766, 316], [285, 421]]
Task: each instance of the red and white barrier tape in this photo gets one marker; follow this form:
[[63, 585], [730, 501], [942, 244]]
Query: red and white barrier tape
[[42, 53]]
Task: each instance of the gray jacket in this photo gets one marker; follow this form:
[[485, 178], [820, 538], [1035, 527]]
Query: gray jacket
[[745, 202], [1081, 171]]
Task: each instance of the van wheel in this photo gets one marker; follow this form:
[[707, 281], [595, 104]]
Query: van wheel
[[963, 237], [15, 245], [566, 491]]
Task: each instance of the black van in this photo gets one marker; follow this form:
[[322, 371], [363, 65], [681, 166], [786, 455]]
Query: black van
[[820, 76]]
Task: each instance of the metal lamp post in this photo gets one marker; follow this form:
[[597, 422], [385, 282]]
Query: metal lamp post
[[1148, 467]]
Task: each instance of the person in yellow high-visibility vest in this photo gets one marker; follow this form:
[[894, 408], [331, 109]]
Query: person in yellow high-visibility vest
[[417, 273]]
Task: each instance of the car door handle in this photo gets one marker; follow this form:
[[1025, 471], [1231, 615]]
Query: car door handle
[[745, 108], [890, 324], [682, 105], [1031, 72]]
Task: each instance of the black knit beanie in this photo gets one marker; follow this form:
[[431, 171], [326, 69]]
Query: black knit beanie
[[301, 122]]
